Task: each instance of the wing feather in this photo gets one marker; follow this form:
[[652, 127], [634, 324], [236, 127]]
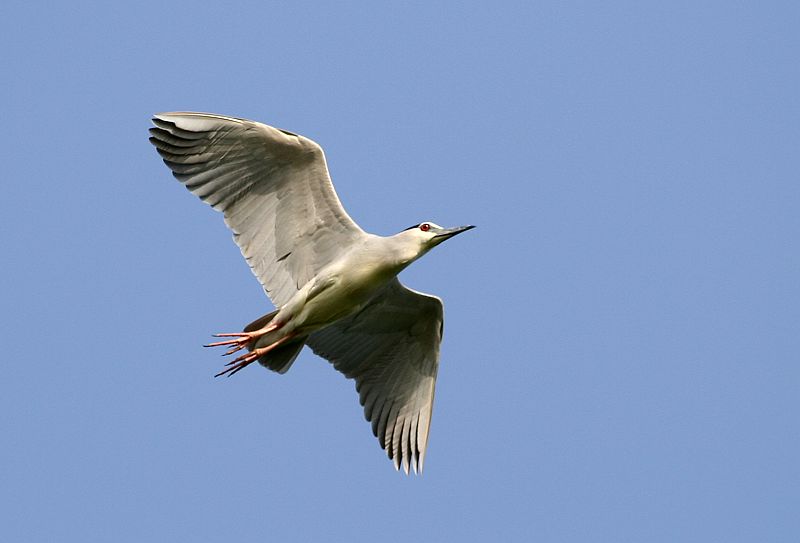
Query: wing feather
[[245, 169], [391, 349]]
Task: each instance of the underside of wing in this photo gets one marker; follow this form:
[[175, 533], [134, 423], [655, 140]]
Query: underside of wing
[[272, 186], [391, 349]]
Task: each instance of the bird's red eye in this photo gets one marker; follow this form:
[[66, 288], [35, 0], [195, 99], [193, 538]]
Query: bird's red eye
[[424, 227]]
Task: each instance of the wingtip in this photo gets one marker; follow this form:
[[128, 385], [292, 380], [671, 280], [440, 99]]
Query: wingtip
[[407, 465], [171, 117], [192, 121], [160, 116]]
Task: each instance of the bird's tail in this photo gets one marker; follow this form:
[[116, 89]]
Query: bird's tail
[[281, 358]]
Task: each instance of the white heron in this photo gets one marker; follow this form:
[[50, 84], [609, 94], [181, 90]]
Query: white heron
[[335, 286]]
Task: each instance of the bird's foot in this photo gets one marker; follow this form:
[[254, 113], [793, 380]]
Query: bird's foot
[[246, 359], [241, 339], [240, 363]]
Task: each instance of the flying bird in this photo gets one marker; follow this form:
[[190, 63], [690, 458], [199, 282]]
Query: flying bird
[[334, 285]]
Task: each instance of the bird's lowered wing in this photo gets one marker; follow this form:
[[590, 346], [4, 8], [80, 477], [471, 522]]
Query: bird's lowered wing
[[272, 186], [391, 349]]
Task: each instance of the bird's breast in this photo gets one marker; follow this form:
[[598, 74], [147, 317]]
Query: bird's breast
[[341, 292]]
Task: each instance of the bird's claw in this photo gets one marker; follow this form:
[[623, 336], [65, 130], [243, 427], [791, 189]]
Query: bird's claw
[[239, 363], [248, 358], [240, 341]]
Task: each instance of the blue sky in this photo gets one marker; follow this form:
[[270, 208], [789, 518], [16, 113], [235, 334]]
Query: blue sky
[[620, 359]]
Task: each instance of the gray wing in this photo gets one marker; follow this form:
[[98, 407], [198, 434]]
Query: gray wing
[[272, 186], [391, 349]]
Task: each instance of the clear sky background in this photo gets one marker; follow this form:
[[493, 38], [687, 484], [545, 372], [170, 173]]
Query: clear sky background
[[620, 359]]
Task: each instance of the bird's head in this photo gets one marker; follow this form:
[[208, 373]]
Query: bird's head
[[425, 236]]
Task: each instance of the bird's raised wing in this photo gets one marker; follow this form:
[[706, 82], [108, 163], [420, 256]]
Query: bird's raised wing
[[272, 186], [391, 349]]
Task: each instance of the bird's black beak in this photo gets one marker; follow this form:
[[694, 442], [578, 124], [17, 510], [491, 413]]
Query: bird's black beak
[[447, 233]]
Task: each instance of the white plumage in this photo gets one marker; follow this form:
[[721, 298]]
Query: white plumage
[[334, 285]]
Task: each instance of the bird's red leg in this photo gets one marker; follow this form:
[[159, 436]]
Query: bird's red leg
[[243, 339], [246, 359]]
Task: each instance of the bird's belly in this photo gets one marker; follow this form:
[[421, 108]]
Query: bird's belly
[[339, 297]]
